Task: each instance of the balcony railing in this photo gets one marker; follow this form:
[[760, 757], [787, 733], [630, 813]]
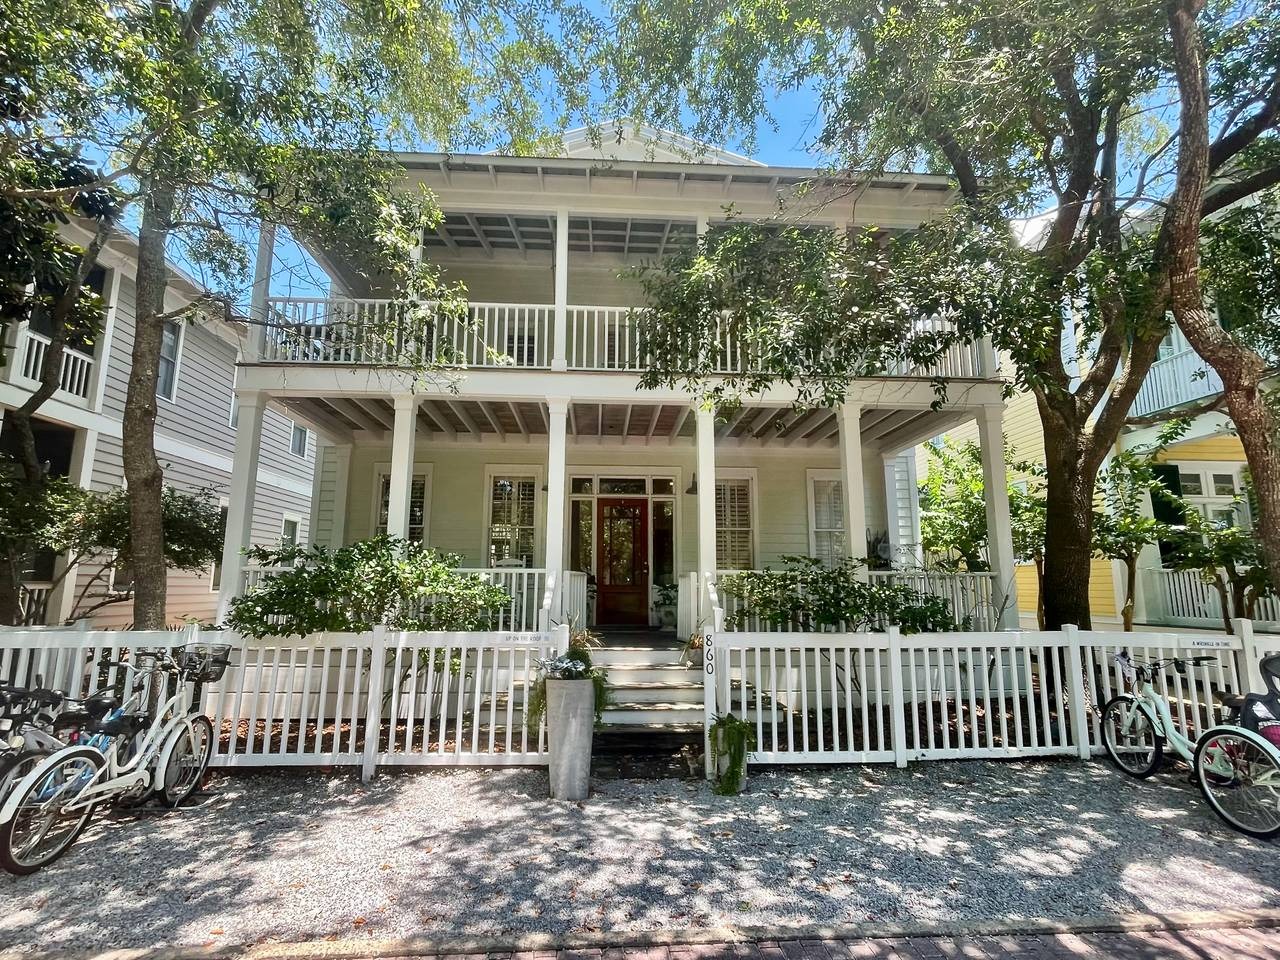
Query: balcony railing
[[1175, 380], [76, 378], [597, 338]]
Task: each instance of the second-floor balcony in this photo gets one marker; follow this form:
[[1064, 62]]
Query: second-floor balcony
[[1178, 379], [375, 332], [76, 379]]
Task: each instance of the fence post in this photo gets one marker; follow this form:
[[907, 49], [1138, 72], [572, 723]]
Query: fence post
[[1075, 676], [898, 705], [373, 709], [710, 689], [1249, 653]]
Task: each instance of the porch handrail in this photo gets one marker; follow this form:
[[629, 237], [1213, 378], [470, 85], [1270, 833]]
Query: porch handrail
[[76, 375]]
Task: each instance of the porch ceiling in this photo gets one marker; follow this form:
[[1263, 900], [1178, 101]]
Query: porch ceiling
[[522, 233], [461, 418]]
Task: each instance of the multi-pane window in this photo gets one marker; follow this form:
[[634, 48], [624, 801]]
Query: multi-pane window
[[734, 538], [826, 499], [1216, 494], [167, 374], [417, 506], [298, 441], [512, 502]]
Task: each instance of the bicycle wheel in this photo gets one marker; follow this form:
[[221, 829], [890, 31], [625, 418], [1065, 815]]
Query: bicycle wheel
[[42, 828], [1130, 738], [184, 759], [1240, 779], [16, 764]]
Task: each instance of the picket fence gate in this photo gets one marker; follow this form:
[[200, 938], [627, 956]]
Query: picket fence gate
[[890, 698], [332, 699]]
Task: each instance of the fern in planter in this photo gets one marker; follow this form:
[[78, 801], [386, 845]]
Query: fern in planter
[[573, 665], [731, 738]]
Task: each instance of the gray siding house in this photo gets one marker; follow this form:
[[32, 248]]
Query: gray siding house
[[80, 432]]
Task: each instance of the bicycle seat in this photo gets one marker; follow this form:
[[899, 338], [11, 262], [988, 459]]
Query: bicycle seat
[[1232, 701]]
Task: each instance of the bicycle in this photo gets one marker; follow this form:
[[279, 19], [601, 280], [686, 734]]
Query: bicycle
[[1137, 724], [133, 751], [26, 731], [1237, 764]]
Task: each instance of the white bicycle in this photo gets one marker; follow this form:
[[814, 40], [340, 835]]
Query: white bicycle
[[130, 753], [1236, 764]]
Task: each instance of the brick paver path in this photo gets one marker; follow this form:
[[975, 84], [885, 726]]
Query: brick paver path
[[1204, 944]]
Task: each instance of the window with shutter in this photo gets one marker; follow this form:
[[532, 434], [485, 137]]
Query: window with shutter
[[734, 540], [511, 520]]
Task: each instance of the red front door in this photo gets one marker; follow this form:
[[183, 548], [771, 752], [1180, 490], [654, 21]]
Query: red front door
[[622, 561]]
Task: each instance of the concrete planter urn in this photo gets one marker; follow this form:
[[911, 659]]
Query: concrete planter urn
[[571, 717]]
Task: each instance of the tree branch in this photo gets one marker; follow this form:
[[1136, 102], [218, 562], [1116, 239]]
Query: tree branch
[[1231, 191], [1211, 405]]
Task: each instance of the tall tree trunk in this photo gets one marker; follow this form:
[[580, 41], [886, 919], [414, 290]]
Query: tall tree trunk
[[1240, 368], [1068, 534], [1130, 590], [141, 468]]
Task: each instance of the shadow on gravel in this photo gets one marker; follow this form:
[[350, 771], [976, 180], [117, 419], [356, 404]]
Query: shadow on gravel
[[449, 853]]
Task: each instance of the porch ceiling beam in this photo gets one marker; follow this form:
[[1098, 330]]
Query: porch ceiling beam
[[666, 231], [479, 231], [371, 409], [573, 420], [427, 408], [491, 415], [311, 413], [515, 414], [760, 425], [804, 425], [356, 414], [626, 423], [679, 424], [599, 419], [515, 232], [443, 234], [466, 418], [727, 428], [887, 425], [919, 430], [653, 421]]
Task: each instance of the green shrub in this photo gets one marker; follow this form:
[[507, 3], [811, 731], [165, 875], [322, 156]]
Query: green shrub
[[806, 595], [380, 581]]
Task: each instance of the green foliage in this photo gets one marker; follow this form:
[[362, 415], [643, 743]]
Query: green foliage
[[1241, 266], [806, 595], [379, 581], [731, 738], [953, 510], [1122, 526], [813, 308]]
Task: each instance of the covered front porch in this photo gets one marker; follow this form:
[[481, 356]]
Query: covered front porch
[[620, 512]]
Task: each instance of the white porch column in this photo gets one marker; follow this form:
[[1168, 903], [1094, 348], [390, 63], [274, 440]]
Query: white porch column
[[83, 453], [560, 339], [403, 438], [262, 283], [705, 422], [557, 418], [849, 415], [999, 528], [241, 495]]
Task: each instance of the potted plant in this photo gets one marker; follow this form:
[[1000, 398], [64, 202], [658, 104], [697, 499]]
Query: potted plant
[[664, 603], [572, 694], [731, 738], [691, 655]]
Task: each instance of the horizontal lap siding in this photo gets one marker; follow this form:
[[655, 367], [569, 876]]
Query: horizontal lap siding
[[459, 498], [1226, 449]]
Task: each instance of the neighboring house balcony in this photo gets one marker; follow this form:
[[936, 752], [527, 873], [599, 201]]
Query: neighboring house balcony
[[77, 383], [1175, 380]]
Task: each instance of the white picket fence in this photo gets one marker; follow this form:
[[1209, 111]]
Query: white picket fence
[[886, 697], [334, 699]]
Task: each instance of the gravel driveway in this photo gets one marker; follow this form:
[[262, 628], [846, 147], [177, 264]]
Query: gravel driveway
[[480, 852]]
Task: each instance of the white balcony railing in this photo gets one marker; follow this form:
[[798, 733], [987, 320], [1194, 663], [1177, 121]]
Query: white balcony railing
[[76, 377], [1175, 380], [390, 333], [387, 333], [1184, 598]]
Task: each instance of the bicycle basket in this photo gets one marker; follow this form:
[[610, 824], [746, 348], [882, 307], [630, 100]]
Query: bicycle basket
[[205, 662]]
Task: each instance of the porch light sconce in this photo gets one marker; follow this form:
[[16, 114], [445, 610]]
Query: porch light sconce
[[544, 488], [693, 486]]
